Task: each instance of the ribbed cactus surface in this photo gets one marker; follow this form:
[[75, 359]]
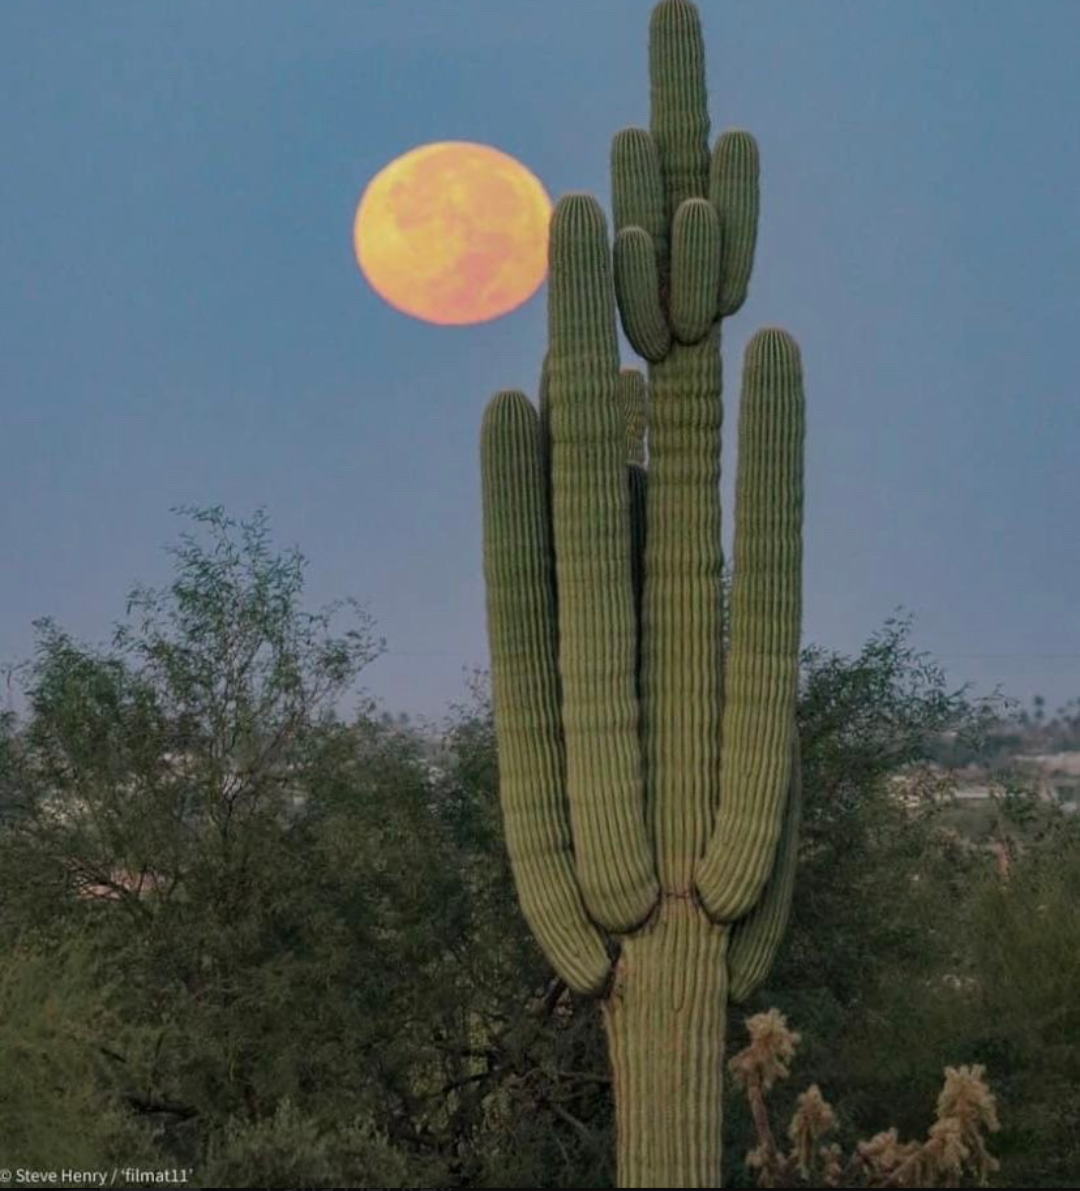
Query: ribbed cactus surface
[[650, 785]]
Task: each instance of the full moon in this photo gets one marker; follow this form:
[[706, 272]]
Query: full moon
[[453, 233]]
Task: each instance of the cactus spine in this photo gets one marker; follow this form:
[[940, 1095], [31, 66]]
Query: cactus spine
[[654, 866]]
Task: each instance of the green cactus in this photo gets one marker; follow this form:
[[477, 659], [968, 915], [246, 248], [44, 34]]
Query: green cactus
[[654, 866]]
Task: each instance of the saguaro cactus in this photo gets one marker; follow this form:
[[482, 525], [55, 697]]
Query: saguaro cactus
[[649, 785]]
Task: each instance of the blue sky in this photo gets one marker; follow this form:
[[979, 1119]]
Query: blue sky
[[182, 320]]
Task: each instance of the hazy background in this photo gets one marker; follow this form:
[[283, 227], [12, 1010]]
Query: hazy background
[[182, 320]]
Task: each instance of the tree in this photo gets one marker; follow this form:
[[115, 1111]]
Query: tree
[[339, 989], [175, 802]]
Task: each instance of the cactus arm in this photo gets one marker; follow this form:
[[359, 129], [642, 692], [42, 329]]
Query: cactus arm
[[637, 192], [638, 280], [679, 119], [756, 938], [544, 403], [639, 495], [734, 193], [695, 269], [591, 519], [641, 241], [766, 609], [634, 402], [518, 568]]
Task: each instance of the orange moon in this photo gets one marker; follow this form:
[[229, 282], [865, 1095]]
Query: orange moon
[[453, 233]]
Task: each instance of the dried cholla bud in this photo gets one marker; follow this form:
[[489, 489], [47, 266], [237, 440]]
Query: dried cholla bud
[[772, 1047], [812, 1119]]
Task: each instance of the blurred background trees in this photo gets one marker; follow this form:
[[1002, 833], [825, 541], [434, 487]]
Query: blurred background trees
[[247, 932]]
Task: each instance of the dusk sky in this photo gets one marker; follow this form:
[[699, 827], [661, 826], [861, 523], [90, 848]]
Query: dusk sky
[[183, 322]]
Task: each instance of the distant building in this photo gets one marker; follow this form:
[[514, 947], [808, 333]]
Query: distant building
[[1057, 776]]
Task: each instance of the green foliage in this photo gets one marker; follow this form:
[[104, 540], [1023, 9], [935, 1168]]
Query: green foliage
[[61, 1100], [314, 959], [931, 959], [861, 721], [1013, 999], [339, 988], [290, 1150], [166, 803]]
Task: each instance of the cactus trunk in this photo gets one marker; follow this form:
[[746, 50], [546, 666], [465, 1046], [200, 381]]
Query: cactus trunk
[[681, 655], [665, 1027]]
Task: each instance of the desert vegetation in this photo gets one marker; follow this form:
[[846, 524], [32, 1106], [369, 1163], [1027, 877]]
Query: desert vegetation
[[251, 930]]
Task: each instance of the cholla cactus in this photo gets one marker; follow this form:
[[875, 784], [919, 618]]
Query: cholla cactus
[[650, 791], [954, 1153]]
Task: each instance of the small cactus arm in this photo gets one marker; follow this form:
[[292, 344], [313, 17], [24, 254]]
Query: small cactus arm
[[650, 786]]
